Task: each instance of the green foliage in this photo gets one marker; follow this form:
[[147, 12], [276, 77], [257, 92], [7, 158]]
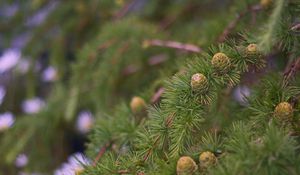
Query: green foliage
[[111, 63], [273, 152], [177, 127]]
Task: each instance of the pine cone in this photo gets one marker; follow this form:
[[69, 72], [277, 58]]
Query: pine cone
[[207, 159], [266, 3], [284, 111], [199, 83], [221, 63], [138, 105], [186, 166], [252, 50]]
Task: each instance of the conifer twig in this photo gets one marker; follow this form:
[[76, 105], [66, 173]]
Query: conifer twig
[[157, 59], [296, 27], [124, 10], [128, 172], [234, 22], [101, 152], [291, 70], [123, 172], [155, 98], [172, 44], [150, 150], [168, 123]]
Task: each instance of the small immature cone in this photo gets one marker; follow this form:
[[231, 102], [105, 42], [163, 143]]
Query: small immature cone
[[138, 107], [266, 3], [283, 111], [252, 50], [186, 166], [207, 159], [220, 62], [199, 83]]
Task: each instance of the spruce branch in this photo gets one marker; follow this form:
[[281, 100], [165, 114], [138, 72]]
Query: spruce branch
[[178, 125], [188, 115], [171, 129]]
